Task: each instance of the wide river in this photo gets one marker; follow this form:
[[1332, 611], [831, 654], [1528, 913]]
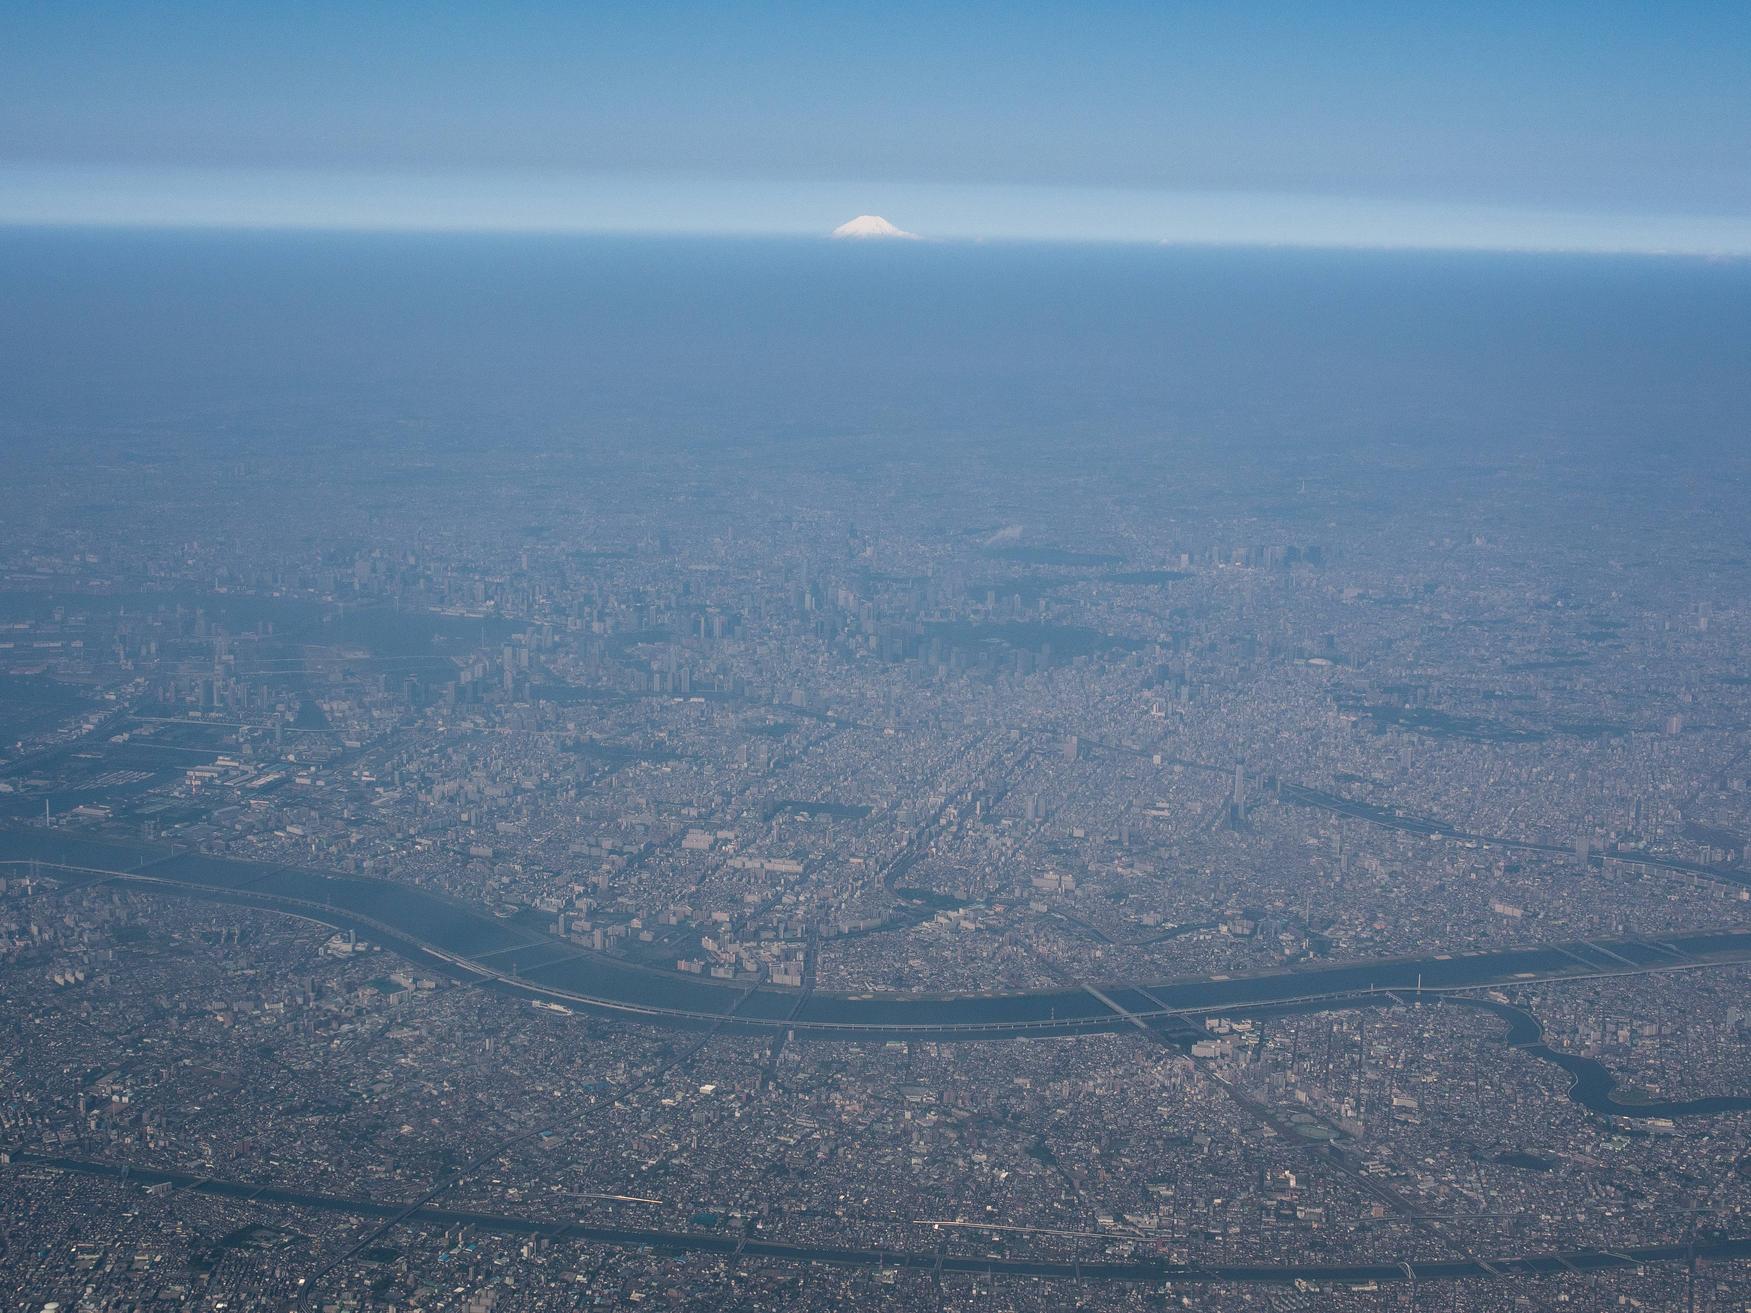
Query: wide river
[[461, 940]]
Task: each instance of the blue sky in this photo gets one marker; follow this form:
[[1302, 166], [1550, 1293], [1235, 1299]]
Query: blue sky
[[1591, 126]]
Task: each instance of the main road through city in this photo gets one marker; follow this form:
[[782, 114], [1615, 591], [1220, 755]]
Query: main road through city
[[470, 943], [734, 1244]]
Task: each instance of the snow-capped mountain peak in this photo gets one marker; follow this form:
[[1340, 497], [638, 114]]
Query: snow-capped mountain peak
[[866, 226]]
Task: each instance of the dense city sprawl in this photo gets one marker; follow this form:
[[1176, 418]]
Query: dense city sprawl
[[812, 718]]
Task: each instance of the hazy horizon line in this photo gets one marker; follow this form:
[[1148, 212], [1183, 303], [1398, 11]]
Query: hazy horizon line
[[265, 228], [510, 203]]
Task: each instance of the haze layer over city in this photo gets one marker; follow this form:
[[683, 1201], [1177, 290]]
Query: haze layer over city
[[774, 760]]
